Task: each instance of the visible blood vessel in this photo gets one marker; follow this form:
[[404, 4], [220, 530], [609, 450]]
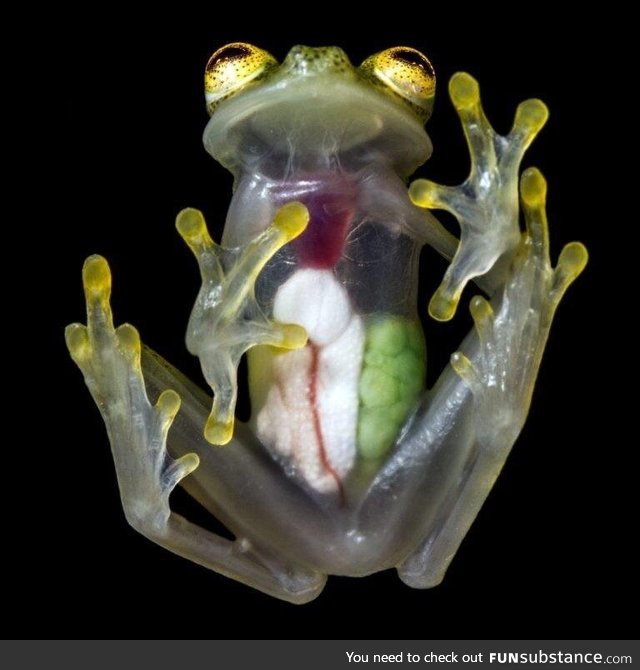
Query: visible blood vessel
[[314, 298], [313, 399]]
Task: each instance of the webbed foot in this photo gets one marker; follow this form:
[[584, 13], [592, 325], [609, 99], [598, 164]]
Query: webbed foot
[[226, 320], [512, 338], [109, 359], [486, 203]]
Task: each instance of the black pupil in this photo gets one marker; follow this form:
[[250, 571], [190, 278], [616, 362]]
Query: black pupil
[[232, 52], [413, 58]]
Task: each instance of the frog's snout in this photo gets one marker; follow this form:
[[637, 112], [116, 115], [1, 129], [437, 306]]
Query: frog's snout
[[304, 60]]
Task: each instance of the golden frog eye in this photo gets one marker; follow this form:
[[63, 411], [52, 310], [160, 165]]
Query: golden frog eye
[[231, 68], [405, 72]]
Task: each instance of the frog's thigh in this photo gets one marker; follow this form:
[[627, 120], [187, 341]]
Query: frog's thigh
[[227, 468], [427, 566]]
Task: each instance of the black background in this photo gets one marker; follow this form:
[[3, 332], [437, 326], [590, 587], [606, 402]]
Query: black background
[[548, 554]]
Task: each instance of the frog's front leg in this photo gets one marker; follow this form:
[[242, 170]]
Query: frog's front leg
[[226, 320], [486, 203], [110, 360], [499, 368]]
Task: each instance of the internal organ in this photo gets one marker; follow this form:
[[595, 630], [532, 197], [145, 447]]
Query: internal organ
[[310, 411], [321, 244]]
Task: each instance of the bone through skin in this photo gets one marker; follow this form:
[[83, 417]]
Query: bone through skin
[[311, 409]]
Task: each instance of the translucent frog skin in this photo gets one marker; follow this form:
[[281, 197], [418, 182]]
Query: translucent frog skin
[[348, 466]]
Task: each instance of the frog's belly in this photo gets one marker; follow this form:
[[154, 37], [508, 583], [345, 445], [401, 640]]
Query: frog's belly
[[306, 401]]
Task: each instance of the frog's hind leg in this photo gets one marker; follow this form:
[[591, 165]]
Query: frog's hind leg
[[499, 370], [110, 360]]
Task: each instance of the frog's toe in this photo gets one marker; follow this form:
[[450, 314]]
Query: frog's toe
[[467, 371], [77, 339], [427, 194], [464, 91], [89, 344], [571, 262], [533, 191], [473, 258], [573, 257], [444, 302], [218, 431], [474, 375], [129, 344], [530, 118], [96, 281]]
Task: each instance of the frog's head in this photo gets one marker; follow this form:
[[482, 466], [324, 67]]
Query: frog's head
[[316, 106]]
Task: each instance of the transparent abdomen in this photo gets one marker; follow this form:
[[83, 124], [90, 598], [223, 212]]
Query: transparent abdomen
[[350, 279]]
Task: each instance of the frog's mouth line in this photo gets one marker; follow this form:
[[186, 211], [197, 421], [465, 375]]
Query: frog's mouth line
[[318, 115]]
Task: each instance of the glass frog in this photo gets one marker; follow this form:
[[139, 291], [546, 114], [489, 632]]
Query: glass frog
[[348, 464]]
